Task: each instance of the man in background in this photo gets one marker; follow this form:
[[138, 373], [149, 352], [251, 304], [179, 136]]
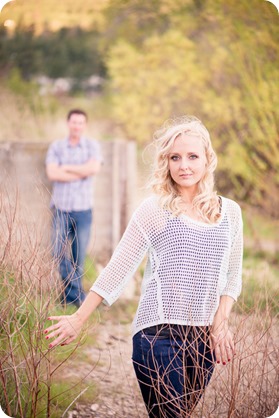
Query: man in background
[[71, 164]]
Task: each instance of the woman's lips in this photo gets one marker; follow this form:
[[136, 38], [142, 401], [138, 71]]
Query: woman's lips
[[185, 175]]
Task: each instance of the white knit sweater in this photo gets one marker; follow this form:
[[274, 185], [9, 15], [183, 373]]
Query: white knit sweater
[[190, 264]]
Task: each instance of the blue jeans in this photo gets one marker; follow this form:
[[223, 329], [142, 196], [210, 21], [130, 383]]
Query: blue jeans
[[71, 233], [173, 365]]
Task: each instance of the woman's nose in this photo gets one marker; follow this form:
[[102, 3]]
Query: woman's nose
[[184, 163]]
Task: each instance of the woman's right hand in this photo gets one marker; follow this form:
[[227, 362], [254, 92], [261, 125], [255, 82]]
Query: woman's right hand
[[68, 327], [65, 330]]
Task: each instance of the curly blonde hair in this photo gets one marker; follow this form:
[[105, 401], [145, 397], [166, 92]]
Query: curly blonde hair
[[206, 202]]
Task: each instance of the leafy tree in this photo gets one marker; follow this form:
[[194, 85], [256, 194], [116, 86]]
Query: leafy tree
[[19, 51], [151, 83], [69, 52], [217, 60]]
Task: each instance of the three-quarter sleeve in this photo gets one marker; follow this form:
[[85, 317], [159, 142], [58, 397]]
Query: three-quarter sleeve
[[234, 275], [125, 260]]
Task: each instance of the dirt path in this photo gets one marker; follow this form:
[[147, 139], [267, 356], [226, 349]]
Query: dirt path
[[111, 388], [117, 389]]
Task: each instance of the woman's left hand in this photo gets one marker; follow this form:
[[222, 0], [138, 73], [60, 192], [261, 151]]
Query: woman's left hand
[[222, 340]]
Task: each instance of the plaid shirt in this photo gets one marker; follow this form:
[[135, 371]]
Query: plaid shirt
[[75, 195]]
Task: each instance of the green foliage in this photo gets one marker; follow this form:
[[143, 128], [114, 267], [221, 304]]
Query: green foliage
[[32, 378], [28, 91], [217, 60], [158, 90], [69, 52], [260, 286], [90, 272]]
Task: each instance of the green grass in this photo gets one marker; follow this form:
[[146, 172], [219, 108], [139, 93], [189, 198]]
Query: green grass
[[260, 292], [121, 312], [25, 354], [260, 284], [62, 393], [259, 226], [90, 273]]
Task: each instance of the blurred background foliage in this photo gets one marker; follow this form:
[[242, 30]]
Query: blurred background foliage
[[132, 64], [216, 59]]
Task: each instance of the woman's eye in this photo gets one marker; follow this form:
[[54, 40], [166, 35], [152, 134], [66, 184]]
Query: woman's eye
[[193, 157], [174, 158]]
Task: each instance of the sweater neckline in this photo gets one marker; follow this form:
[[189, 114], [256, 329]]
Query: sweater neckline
[[195, 221]]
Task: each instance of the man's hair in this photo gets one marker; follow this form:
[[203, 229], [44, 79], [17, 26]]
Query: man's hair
[[76, 112]]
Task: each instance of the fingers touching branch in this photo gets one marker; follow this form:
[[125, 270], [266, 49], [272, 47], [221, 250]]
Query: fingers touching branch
[[65, 330]]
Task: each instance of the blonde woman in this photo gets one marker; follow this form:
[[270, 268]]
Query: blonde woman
[[193, 239]]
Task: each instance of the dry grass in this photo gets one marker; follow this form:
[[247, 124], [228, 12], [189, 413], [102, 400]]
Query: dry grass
[[27, 117], [30, 372], [249, 386]]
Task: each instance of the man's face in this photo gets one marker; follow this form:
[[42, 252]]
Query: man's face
[[76, 125]]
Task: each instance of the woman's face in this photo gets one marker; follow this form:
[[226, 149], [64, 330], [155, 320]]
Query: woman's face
[[187, 162]]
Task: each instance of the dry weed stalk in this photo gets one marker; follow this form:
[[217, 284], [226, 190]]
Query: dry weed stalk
[[247, 387], [30, 291]]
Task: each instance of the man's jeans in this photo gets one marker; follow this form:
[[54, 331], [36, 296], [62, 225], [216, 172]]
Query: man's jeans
[[173, 366], [71, 233]]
